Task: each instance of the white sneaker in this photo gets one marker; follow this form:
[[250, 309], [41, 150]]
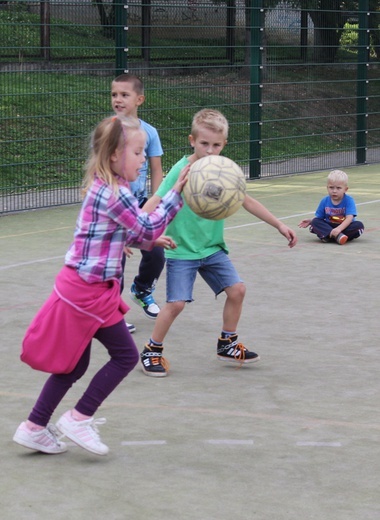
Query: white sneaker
[[84, 433], [45, 440], [146, 301], [131, 327]]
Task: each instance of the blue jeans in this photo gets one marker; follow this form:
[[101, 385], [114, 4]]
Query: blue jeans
[[216, 270]]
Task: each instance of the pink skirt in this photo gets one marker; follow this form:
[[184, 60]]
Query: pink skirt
[[68, 320]]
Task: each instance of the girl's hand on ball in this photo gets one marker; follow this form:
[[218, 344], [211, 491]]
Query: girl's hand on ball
[[182, 179]]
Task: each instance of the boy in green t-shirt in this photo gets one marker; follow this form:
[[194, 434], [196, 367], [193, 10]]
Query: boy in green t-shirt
[[201, 248]]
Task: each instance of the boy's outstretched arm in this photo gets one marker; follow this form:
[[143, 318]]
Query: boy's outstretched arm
[[305, 223], [258, 210], [154, 200], [152, 203]]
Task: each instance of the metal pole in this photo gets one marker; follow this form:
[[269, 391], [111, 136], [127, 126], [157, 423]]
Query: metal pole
[[256, 33], [304, 34], [146, 27], [231, 31], [121, 32], [45, 29], [362, 83]]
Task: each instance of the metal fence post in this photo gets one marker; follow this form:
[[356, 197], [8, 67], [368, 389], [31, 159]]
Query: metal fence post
[[146, 24], [45, 29], [121, 18], [256, 33], [362, 82]]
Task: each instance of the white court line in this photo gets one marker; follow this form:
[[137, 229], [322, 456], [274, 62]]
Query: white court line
[[227, 442], [210, 441], [320, 444], [230, 441], [143, 443], [4, 267], [11, 266], [294, 216]]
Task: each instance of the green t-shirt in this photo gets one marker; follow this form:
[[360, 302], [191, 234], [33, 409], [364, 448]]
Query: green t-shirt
[[195, 237]]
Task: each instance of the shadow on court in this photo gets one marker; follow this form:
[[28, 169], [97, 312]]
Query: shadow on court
[[294, 437]]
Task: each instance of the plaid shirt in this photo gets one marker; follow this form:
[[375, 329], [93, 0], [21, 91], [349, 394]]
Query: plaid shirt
[[106, 223]]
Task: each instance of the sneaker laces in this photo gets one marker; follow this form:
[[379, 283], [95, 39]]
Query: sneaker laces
[[94, 426], [161, 360], [239, 354], [165, 363], [53, 433]]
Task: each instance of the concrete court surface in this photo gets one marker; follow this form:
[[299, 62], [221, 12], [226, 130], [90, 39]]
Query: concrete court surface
[[293, 437]]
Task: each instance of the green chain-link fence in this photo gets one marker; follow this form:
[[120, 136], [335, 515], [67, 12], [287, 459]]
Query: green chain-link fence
[[300, 88]]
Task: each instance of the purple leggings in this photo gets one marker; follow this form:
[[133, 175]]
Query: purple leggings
[[124, 357]]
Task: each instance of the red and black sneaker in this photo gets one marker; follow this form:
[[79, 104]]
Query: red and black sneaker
[[153, 362], [229, 349]]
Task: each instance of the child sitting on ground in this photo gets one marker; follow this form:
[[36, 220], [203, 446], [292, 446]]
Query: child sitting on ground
[[335, 218]]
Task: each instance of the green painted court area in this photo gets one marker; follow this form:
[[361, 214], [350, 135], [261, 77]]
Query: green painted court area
[[293, 437]]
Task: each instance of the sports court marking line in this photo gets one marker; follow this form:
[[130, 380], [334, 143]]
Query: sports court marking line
[[236, 442], [41, 260], [293, 216], [311, 422], [39, 232], [319, 444], [19, 306], [142, 443], [231, 442]]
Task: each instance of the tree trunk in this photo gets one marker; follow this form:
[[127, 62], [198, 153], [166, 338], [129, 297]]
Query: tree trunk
[[107, 20], [328, 25], [326, 45]]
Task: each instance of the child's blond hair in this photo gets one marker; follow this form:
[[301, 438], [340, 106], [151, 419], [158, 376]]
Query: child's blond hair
[[110, 134], [211, 119], [337, 176]]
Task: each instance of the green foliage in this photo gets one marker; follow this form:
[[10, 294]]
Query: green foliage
[[45, 124], [20, 37], [46, 121], [46, 118]]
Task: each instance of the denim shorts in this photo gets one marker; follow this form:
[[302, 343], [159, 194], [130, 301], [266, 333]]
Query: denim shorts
[[216, 270]]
